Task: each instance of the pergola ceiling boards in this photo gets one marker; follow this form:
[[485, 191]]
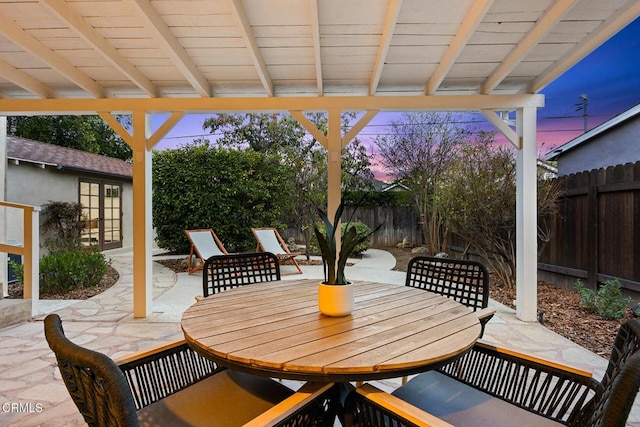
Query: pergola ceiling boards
[[181, 56], [256, 48]]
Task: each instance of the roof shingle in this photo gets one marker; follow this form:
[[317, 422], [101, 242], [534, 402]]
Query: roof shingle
[[66, 158]]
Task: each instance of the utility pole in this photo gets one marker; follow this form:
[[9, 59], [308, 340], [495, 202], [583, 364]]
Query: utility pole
[[585, 114]]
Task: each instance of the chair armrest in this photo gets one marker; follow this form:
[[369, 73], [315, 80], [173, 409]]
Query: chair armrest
[[485, 314], [315, 401], [382, 408], [544, 387], [156, 373], [533, 359], [124, 360]]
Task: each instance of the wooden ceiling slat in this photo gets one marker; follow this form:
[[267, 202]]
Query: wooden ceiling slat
[[169, 48]]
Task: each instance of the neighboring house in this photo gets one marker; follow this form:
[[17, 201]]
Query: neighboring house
[[377, 184], [546, 170], [614, 142], [394, 186], [38, 173]]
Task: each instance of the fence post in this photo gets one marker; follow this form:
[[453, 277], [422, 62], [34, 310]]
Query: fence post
[[593, 229]]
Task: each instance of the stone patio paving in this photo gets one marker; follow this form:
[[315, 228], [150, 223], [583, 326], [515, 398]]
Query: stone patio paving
[[33, 394]]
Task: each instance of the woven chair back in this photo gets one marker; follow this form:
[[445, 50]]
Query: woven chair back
[[466, 282], [96, 384], [231, 271], [621, 381]]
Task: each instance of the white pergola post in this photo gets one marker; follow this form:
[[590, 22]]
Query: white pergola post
[[142, 214], [141, 143], [526, 217], [334, 164]]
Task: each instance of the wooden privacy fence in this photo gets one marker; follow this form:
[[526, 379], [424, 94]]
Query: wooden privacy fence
[[596, 235], [398, 223]]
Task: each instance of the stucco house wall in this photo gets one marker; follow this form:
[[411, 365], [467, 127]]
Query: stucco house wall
[[614, 142], [41, 179]]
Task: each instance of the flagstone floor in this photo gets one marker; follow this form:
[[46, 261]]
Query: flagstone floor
[[33, 394]]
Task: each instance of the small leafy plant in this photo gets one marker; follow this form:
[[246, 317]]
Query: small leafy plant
[[607, 301], [327, 240], [61, 272], [62, 225], [362, 230]]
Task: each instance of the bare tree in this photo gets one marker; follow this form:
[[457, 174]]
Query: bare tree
[[418, 151], [478, 200]]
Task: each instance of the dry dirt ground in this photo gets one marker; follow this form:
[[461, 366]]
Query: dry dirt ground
[[562, 311]]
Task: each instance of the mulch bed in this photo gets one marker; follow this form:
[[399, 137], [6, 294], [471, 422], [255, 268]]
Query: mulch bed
[[561, 310], [563, 313]]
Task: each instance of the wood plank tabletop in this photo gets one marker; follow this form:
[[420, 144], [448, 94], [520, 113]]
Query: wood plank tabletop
[[276, 329]]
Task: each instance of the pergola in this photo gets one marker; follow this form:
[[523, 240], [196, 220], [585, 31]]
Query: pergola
[[143, 57]]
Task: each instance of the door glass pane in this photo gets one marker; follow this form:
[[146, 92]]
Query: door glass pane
[[101, 213], [90, 201], [111, 213]]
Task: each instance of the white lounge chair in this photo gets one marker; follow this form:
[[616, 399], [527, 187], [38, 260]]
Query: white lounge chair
[[269, 240], [204, 244]]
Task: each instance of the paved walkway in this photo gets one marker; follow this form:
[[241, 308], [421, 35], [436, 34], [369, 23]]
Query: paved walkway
[[30, 381]]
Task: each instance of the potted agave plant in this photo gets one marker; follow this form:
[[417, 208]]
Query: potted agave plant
[[335, 293]]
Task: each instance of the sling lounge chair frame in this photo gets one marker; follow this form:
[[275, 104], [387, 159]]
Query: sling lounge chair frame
[[198, 239], [269, 240]]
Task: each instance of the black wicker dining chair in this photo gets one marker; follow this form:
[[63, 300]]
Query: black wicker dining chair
[[464, 281], [222, 272], [499, 387], [172, 385]]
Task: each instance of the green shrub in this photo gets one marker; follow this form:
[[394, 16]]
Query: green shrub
[[61, 272], [18, 270], [361, 228], [608, 301], [227, 190]]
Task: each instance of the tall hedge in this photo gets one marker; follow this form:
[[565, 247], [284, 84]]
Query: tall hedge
[[227, 190]]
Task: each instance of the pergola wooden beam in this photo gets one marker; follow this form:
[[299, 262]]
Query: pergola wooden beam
[[25, 81], [472, 19], [41, 51], [310, 127], [530, 41], [218, 105], [499, 123], [315, 32], [252, 45], [77, 24], [160, 31], [606, 30], [355, 129], [383, 48]]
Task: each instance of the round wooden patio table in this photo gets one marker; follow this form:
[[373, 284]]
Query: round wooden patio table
[[275, 329]]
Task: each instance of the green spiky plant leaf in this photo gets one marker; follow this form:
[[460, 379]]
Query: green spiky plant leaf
[[334, 271]]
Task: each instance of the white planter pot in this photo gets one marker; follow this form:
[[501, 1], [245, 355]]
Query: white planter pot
[[335, 300]]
